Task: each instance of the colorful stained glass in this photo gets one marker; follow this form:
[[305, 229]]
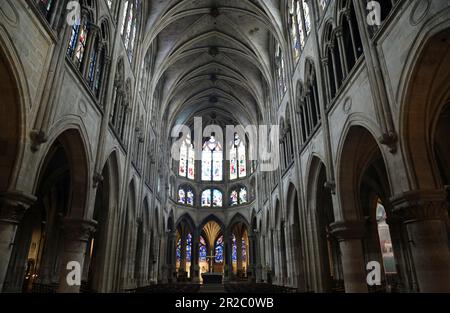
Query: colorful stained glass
[[188, 247], [206, 198], [217, 198], [190, 198], [219, 250], [212, 161], [234, 198], [178, 251], [187, 160], [181, 196], [244, 250], [234, 253], [238, 159], [243, 195], [203, 251]]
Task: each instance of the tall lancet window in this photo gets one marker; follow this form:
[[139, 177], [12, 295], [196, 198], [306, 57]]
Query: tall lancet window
[[212, 160], [187, 160], [238, 159], [130, 20]]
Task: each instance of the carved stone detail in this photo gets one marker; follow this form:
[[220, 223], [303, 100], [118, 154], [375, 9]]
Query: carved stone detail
[[420, 206], [13, 206], [345, 230], [78, 229]]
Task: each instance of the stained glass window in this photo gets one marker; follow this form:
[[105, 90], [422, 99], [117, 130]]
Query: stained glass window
[[234, 254], [203, 251], [77, 43], [307, 17], [280, 70], [234, 199], [212, 160], [188, 247], [187, 160], [219, 250], [129, 25], [300, 20], [46, 7], [186, 195], [212, 197], [178, 250], [181, 196], [206, 198], [190, 198], [238, 159], [238, 196]]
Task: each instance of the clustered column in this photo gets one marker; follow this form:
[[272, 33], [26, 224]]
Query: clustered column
[[77, 233], [350, 234], [425, 216], [12, 209]]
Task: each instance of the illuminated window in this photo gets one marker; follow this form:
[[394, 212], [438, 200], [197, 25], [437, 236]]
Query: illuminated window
[[238, 196], [187, 160], [212, 160], [212, 197], [203, 250], [238, 159], [130, 20], [219, 250], [186, 195]]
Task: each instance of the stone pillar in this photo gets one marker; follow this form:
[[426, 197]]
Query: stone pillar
[[171, 257], [228, 245], [350, 234], [195, 268], [77, 233], [182, 269], [13, 206], [425, 216]]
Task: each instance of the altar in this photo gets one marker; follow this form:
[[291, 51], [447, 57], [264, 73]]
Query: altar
[[212, 278]]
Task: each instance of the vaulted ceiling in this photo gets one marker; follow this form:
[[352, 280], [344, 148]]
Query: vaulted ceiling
[[212, 58]]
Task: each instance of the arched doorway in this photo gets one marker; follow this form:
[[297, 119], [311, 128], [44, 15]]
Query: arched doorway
[[185, 254], [294, 216], [321, 208], [12, 128], [363, 186], [281, 271], [99, 267], [41, 244], [424, 130]]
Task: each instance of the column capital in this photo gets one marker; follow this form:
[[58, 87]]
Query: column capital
[[344, 230], [421, 205], [78, 229], [13, 205]]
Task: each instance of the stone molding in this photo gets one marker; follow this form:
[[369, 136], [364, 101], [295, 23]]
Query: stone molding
[[346, 230], [78, 229], [13, 206], [420, 205]]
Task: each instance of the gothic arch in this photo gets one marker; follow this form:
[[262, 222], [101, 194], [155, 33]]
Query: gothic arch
[[12, 113], [426, 99], [74, 145]]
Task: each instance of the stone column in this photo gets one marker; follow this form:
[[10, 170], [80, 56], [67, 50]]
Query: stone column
[[171, 257], [13, 206], [77, 233], [350, 234], [425, 216], [195, 268], [228, 245], [182, 268]]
